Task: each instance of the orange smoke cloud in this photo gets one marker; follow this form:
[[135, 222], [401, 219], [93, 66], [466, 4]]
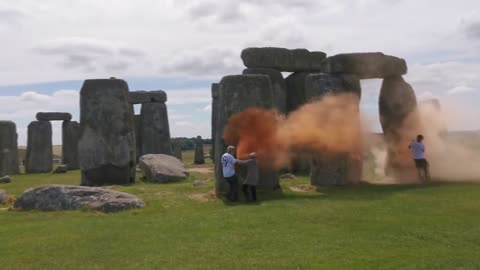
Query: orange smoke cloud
[[326, 126]]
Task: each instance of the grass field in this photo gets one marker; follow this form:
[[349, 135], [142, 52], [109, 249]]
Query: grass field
[[359, 227]]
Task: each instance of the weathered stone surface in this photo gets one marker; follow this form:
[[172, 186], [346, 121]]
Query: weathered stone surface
[[61, 169], [199, 157], [5, 179], [138, 135], [320, 84], [177, 150], [70, 137], [3, 196], [141, 97], [333, 169], [296, 90], [237, 93], [54, 116], [65, 197], [8, 148], [365, 65], [282, 59], [39, 147], [107, 140], [155, 130], [279, 86], [160, 168], [400, 123], [215, 97]]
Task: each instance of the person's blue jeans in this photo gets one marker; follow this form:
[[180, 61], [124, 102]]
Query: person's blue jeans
[[232, 194]]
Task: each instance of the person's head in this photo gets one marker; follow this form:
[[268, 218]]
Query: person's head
[[253, 155], [419, 138], [231, 149]]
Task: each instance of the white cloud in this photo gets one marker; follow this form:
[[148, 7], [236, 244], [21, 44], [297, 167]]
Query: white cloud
[[188, 96], [89, 54], [207, 108], [460, 89], [22, 109]]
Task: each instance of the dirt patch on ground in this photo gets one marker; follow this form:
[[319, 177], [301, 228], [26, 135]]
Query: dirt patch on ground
[[201, 170], [203, 197], [303, 188]]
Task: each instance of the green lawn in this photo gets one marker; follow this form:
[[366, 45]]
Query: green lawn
[[359, 227]]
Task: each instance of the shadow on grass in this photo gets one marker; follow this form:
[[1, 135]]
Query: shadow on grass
[[360, 192]]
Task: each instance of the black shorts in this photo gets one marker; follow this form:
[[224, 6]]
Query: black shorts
[[421, 163]]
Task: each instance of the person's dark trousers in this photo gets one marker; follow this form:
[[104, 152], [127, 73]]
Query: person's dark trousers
[[233, 192], [253, 191]]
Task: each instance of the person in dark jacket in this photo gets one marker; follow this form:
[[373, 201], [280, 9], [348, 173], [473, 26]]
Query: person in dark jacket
[[251, 180]]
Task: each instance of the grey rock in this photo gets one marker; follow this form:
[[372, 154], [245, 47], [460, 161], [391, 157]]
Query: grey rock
[[8, 148], [5, 179], [237, 93], [155, 130], [198, 183], [141, 97], [339, 169], [160, 168], [54, 116], [282, 59], [65, 197], [318, 85], [107, 139], [288, 176], [397, 102], [215, 96], [61, 169], [279, 86], [365, 65], [70, 138], [199, 157], [39, 157], [3, 196]]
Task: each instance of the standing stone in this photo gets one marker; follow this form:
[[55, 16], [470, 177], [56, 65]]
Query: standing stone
[[334, 169], [237, 93], [365, 65], [199, 157], [8, 148], [296, 97], [278, 84], [39, 147], [70, 137], [141, 97], [155, 131], [215, 97], [177, 150], [282, 59], [107, 141], [296, 90], [138, 135], [400, 123]]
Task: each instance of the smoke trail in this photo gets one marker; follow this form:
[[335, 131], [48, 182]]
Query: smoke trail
[[327, 126]]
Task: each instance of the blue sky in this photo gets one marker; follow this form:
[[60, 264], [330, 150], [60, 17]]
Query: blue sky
[[183, 46]]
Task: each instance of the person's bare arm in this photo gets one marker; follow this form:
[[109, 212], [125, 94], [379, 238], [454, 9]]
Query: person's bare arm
[[243, 162]]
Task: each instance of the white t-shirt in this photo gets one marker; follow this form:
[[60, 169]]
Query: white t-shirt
[[418, 150], [227, 164]]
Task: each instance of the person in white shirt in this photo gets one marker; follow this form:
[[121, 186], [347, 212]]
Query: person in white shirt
[[228, 166], [418, 152]]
